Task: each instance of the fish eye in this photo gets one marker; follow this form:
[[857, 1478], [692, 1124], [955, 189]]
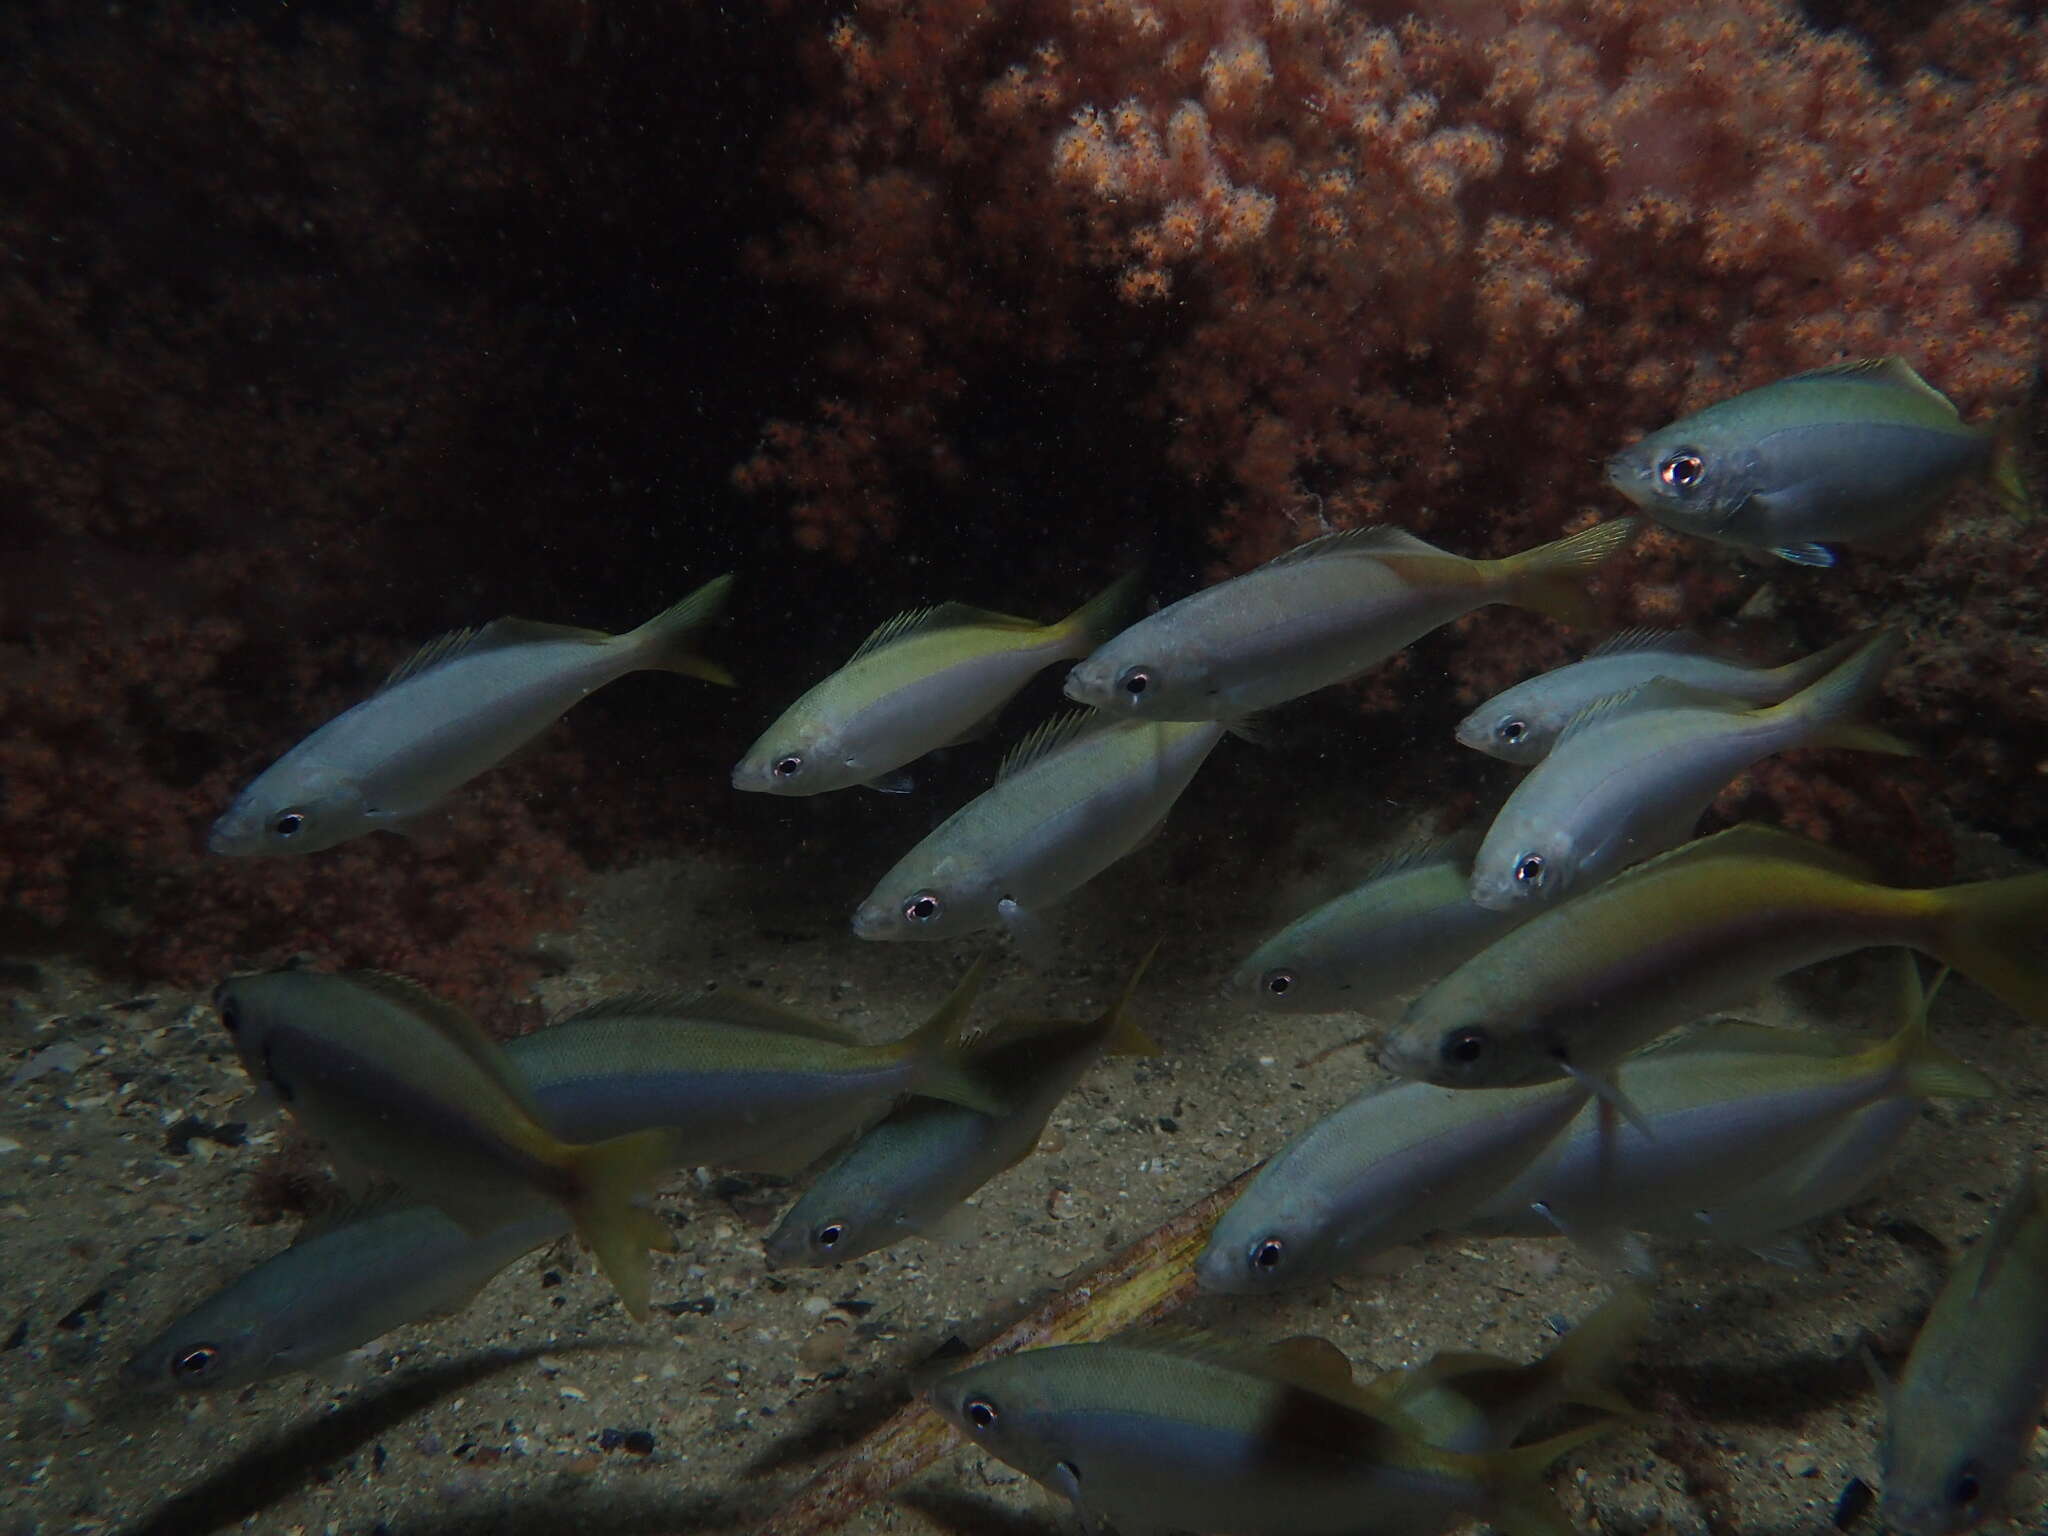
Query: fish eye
[[829, 1234], [1530, 871], [1277, 983], [194, 1362], [924, 907], [1267, 1253], [1682, 470], [289, 823], [787, 767], [1512, 731], [1073, 1473], [1967, 1485], [981, 1413], [1465, 1046], [1134, 681]]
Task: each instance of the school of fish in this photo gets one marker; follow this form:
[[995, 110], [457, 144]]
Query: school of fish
[[1562, 1062]]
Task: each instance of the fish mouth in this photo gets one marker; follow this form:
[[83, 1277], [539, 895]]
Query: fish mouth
[[872, 921], [1076, 687]]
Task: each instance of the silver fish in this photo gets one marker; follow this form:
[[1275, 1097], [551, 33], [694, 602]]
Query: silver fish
[[335, 1289], [1072, 798], [460, 705], [1633, 774], [1322, 614], [1964, 1412], [930, 678], [907, 1173], [1406, 924], [1853, 451], [1164, 1435], [1522, 723], [1388, 1167]]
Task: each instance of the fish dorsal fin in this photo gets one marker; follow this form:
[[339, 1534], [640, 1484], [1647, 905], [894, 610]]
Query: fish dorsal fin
[[712, 1008], [451, 1022], [937, 616], [1680, 642], [1751, 840], [494, 636], [2026, 1204], [1877, 370], [1049, 737], [1378, 540], [1657, 693]]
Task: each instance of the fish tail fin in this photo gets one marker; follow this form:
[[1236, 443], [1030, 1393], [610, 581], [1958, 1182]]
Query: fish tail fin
[[668, 641], [1926, 1070], [1551, 578], [1828, 706], [1125, 1037], [2007, 474], [1804, 671], [939, 1047], [618, 1232], [1585, 1362], [1105, 615], [1992, 931], [1523, 1504]]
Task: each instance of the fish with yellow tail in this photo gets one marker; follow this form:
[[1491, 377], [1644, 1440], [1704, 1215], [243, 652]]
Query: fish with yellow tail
[[1693, 933], [1959, 1422], [930, 678], [461, 705], [398, 1083], [1322, 614], [1844, 454]]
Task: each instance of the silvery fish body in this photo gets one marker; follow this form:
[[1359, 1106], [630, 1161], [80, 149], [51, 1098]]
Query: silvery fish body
[[1321, 614], [1391, 1165], [1522, 723], [461, 705], [1409, 922], [1633, 774], [1722, 1115], [1971, 1398], [1155, 1439], [1850, 452], [1691, 934], [927, 679], [1074, 797], [733, 1082], [927, 1156], [334, 1292]]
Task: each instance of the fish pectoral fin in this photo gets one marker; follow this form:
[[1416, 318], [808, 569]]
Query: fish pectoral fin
[[1035, 938], [1788, 1250], [1805, 554], [1608, 1092], [898, 783]]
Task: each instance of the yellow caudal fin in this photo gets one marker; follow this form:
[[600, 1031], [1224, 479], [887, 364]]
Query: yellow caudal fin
[[2007, 474], [1523, 1504], [1996, 933], [619, 1233], [668, 641], [940, 1048], [1551, 578], [1580, 1369], [1827, 709], [1926, 1070], [1105, 615], [1124, 1036]]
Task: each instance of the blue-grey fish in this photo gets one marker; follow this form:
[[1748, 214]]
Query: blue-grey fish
[[1406, 924], [930, 678], [1693, 933], [399, 1083], [1729, 1120], [907, 1173], [1843, 454], [338, 1287], [1522, 724], [1386, 1168], [1964, 1412], [1071, 799], [1159, 1435], [1322, 614], [461, 704], [1633, 774], [736, 1082]]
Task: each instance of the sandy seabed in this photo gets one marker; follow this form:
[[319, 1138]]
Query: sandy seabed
[[542, 1408]]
